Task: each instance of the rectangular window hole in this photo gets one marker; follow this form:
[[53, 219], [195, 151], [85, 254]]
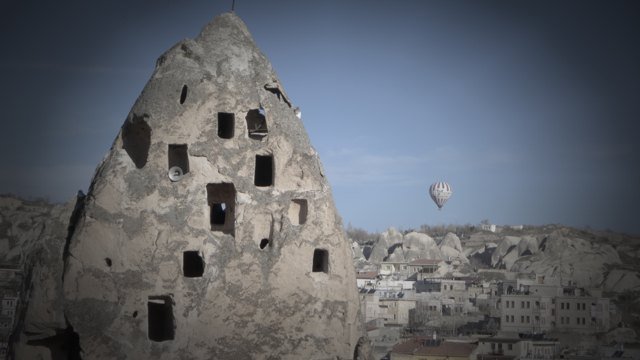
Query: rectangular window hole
[[160, 315], [221, 199], [226, 125], [256, 124], [218, 213], [192, 264], [179, 157], [320, 260], [298, 211], [264, 170]]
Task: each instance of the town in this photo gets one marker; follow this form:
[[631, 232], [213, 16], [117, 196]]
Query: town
[[433, 308]]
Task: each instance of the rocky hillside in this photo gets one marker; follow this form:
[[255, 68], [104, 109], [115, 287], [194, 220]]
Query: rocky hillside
[[589, 258], [32, 239]]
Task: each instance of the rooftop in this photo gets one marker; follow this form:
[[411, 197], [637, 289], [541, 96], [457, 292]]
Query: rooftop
[[425, 262], [425, 346], [367, 275]]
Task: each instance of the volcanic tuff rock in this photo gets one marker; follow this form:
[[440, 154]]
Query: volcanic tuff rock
[[420, 246], [453, 241], [244, 256], [32, 238], [563, 255]]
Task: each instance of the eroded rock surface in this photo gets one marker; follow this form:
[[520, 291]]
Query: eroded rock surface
[[32, 239], [244, 256]]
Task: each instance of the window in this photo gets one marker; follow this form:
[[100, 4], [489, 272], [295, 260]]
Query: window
[[221, 199], [264, 170], [136, 140], [528, 304], [528, 319], [522, 319], [562, 306], [521, 304], [298, 211], [183, 94], [192, 264], [256, 124], [320, 261], [178, 157], [510, 346], [161, 325], [226, 125]]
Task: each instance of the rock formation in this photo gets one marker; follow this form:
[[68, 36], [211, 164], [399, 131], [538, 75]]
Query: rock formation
[[32, 239], [420, 246], [209, 230]]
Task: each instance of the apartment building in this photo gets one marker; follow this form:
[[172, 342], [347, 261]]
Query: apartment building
[[571, 309]]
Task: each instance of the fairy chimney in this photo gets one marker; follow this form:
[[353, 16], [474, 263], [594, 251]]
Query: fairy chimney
[[209, 230]]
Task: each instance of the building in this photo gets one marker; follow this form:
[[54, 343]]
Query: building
[[393, 307], [574, 310], [488, 227], [388, 268], [421, 348], [521, 347], [424, 268], [10, 285], [366, 279]]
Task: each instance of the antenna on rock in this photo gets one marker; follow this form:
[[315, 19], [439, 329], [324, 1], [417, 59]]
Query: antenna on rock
[[233, 5]]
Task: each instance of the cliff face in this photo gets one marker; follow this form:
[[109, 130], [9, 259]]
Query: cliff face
[[209, 230]]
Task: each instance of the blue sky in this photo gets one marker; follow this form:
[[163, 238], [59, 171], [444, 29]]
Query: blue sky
[[528, 109]]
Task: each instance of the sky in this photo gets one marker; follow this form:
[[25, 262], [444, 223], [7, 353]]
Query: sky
[[529, 109]]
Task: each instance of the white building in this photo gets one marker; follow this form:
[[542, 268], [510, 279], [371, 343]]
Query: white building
[[572, 310], [488, 227]]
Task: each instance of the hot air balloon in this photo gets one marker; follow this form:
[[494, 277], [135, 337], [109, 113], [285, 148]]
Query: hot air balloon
[[440, 192]]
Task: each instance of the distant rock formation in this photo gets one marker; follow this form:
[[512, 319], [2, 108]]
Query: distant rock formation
[[562, 255], [209, 231], [420, 246], [32, 239]]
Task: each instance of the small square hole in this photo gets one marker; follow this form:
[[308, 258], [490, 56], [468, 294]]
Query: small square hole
[[178, 156], [264, 170], [320, 260], [226, 125], [161, 324], [256, 124], [221, 199], [192, 264]]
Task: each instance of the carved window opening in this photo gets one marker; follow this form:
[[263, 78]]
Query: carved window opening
[[320, 260], [136, 139], [264, 170], [218, 213], [221, 199], [160, 315], [264, 243], [178, 157], [256, 124], [183, 94], [298, 211], [226, 125], [192, 264]]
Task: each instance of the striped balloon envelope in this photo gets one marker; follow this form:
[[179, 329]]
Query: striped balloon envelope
[[440, 192]]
